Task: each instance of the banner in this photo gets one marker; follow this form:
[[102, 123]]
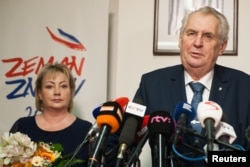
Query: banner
[[34, 33]]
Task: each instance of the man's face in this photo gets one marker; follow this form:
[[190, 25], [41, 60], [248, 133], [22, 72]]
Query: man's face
[[199, 44]]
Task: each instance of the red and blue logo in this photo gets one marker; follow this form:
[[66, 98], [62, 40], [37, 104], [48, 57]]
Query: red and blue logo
[[71, 42]]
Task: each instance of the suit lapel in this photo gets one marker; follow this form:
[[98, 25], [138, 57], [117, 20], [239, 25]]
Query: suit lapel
[[177, 86], [219, 85]]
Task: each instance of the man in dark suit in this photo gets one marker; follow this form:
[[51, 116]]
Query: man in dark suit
[[203, 37]]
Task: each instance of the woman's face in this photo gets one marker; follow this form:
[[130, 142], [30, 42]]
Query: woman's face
[[55, 92]]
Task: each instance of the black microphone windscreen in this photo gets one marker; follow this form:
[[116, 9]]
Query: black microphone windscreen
[[138, 101], [128, 132], [160, 122]]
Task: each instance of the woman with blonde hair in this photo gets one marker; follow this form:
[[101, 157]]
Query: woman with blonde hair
[[54, 93]]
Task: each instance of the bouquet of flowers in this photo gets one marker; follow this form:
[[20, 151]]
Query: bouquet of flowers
[[17, 150]]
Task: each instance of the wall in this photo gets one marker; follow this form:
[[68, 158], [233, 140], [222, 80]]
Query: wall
[[26, 44], [132, 47]]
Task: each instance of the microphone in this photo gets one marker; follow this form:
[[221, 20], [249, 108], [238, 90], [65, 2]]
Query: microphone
[[225, 133], [92, 133], [144, 128], [161, 127], [209, 114], [133, 117], [94, 130], [141, 138], [90, 137], [122, 101], [108, 121], [96, 111], [184, 113]]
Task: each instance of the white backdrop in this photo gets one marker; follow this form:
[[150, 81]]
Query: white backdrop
[[25, 45]]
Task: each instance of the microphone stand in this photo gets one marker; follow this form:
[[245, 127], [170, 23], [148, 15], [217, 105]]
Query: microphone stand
[[199, 150], [229, 146], [84, 142], [110, 155], [97, 154], [137, 151], [192, 132], [173, 160]]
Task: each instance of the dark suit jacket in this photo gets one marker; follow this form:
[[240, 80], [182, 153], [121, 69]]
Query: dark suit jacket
[[162, 89]]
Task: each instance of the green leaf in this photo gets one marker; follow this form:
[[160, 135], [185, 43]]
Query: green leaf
[[57, 147]]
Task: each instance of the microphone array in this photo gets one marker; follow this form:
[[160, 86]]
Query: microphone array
[[217, 134], [165, 132]]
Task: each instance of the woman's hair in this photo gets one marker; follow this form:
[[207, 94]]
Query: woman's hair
[[207, 10], [53, 69]]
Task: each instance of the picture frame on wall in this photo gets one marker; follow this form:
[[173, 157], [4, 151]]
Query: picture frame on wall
[[167, 21]]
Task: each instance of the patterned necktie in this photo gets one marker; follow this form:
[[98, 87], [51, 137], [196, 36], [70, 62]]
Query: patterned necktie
[[198, 89]]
